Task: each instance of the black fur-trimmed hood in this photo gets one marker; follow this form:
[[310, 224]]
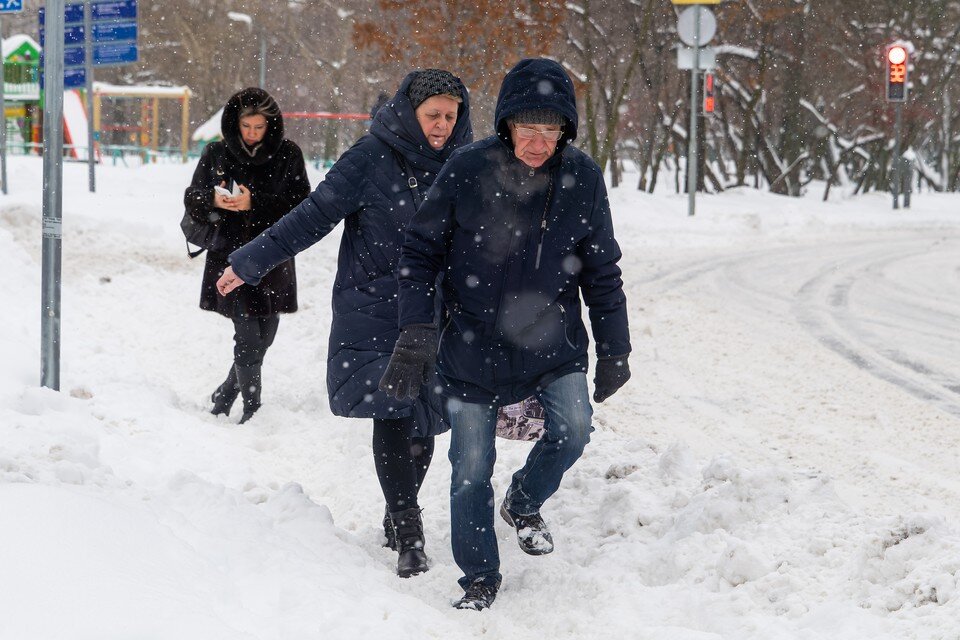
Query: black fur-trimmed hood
[[230, 125]]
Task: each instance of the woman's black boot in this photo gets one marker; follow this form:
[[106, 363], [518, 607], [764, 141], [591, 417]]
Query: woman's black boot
[[225, 394], [248, 377], [388, 532], [408, 526]]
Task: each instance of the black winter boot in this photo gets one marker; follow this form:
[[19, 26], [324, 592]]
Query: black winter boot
[[532, 533], [479, 595], [225, 394], [408, 528], [249, 379], [388, 531]]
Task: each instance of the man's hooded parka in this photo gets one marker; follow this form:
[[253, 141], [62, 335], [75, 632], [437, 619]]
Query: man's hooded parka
[[517, 247], [369, 190]]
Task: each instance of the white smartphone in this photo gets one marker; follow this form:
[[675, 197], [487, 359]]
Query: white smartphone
[[221, 191]]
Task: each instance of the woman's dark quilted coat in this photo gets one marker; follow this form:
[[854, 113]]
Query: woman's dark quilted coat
[[368, 189]]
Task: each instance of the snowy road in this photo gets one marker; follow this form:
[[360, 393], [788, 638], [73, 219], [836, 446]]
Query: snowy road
[[846, 349]]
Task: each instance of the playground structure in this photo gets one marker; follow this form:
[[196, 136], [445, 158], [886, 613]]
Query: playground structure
[[21, 78], [210, 131], [127, 119], [142, 138], [23, 114]]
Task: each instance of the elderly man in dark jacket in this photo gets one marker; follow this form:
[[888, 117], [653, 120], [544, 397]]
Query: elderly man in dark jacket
[[519, 226]]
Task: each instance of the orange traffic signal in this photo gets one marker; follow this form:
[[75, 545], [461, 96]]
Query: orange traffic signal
[[709, 94], [898, 61], [897, 54]]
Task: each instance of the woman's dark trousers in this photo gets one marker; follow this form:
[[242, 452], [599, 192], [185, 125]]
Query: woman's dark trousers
[[252, 337], [402, 461]]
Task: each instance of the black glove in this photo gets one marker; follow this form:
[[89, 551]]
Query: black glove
[[612, 373], [412, 362]]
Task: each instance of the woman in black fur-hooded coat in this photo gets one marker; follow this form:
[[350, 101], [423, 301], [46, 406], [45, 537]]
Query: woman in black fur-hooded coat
[[268, 174]]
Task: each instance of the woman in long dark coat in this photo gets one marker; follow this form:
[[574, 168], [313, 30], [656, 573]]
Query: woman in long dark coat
[[269, 172], [375, 189]]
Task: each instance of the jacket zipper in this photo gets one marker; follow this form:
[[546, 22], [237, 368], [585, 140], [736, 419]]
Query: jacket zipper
[[543, 222], [543, 231]]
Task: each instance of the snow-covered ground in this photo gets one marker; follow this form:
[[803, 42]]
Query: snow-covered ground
[[785, 462]]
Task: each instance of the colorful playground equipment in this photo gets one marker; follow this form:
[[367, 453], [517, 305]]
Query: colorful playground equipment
[[139, 129], [210, 131], [21, 85]]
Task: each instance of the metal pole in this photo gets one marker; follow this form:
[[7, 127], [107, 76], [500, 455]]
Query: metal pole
[[947, 136], [3, 118], [896, 158], [88, 72], [263, 59], [692, 146], [52, 196]]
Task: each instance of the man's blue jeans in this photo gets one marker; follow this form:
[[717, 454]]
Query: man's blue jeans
[[473, 452]]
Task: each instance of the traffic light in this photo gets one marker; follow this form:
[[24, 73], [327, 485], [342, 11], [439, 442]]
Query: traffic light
[[709, 93], [898, 62]]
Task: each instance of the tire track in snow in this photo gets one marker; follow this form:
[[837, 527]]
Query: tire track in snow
[[823, 306]]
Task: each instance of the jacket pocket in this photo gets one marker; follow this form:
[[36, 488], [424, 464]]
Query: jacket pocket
[[566, 325]]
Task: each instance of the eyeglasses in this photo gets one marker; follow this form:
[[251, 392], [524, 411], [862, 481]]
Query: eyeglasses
[[529, 134]]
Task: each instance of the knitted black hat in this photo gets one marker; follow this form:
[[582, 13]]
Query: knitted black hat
[[538, 116], [434, 82]]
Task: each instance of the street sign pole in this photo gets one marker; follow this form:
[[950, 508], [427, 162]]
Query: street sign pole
[[694, 103], [52, 196], [263, 59], [88, 72], [3, 117], [897, 89], [696, 27], [896, 157]]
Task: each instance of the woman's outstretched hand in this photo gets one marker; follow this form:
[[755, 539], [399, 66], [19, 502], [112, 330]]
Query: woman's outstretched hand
[[228, 281]]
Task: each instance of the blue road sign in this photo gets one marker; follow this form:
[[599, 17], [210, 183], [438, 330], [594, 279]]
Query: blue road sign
[[114, 36], [115, 32], [73, 78], [73, 13], [104, 54], [104, 11], [115, 10], [11, 6], [74, 56], [71, 35]]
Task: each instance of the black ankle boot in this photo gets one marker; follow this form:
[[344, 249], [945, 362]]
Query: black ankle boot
[[408, 526], [225, 395], [388, 531], [248, 377]]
